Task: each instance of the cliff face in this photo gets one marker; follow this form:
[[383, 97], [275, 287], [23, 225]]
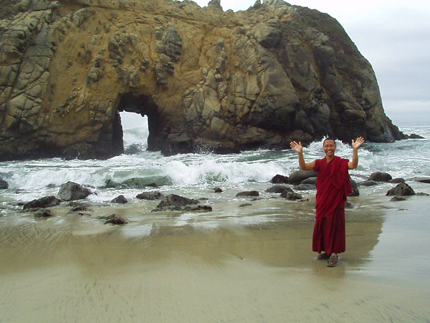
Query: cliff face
[[206, 79]]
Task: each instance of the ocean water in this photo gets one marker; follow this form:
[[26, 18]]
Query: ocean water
[[196, 176]]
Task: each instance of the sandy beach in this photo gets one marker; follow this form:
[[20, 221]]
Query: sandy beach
[[76, 269]]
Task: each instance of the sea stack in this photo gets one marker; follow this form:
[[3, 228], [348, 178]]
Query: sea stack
[[206, 78]]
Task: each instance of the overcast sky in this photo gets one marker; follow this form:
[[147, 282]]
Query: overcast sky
[[394, 36]]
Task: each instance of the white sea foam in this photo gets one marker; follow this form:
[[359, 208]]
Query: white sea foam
[[193, 173]]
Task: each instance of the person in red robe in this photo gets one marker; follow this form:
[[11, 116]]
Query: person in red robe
[[333, 188]]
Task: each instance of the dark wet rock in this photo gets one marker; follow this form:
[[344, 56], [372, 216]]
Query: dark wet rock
[[43, 202], [150, 196], [138, 183], [414, 136], [397, 180], [119, 199], [115, 219], [134, 149], [279, 179], [73, 191], [380, 177], [112, 184], [46, 213], [422, 194], [402, 189], [349, 205], [355, 192], [310, 180], [354, 186], [218, 190], [292, 196], [422, 179], [198, 208], [3, 184], [245, 204], [78, 204], [174, 202], [80, 208], [304, 187], [247, 193], [368, 183], [279, 189], [398, 198], [134, 183], [300, 175]]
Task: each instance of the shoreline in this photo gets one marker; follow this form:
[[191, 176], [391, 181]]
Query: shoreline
[[74, 268]]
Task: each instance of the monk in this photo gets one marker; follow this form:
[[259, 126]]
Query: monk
[[333, 188]]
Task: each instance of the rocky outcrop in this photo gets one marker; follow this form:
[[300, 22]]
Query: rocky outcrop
[[402, 189], [72, 191], [43, 202], [206, 79]]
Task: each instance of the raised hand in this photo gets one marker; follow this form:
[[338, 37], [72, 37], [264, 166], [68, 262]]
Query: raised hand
[[357, 143], [297, 146]]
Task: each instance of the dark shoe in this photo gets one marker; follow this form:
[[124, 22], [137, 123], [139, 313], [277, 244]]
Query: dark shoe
[[332, 261], [323, 256]]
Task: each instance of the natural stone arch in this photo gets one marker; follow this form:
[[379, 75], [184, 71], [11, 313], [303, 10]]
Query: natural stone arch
[[143, 105], [206, 79]]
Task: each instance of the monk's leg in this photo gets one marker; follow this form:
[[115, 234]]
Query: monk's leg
[[334, 232]]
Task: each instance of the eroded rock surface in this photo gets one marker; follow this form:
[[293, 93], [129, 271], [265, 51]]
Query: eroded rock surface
[[206, 79]]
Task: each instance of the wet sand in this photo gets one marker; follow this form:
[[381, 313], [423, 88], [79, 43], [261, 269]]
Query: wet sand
[[73, 269]]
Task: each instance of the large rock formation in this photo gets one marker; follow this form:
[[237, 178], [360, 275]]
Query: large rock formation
[[206, 79]]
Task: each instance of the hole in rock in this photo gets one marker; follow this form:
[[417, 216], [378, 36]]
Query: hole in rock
[[135, 132], [135, 125]]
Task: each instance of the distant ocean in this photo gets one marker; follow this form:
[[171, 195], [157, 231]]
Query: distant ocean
[[196, 175]]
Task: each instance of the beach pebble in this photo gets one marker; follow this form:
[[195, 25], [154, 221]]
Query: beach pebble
[[43, 214], [115, 219]]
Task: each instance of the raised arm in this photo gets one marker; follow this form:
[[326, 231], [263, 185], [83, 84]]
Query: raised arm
[[297, 146], [355, 145]]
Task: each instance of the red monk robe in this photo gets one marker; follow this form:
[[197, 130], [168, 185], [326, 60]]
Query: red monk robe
[[333, 188]]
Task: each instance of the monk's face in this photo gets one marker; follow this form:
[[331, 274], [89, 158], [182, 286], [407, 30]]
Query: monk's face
[[329, 148]]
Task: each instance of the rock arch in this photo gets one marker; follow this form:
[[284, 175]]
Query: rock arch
[[142, 105], [206, 79]]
